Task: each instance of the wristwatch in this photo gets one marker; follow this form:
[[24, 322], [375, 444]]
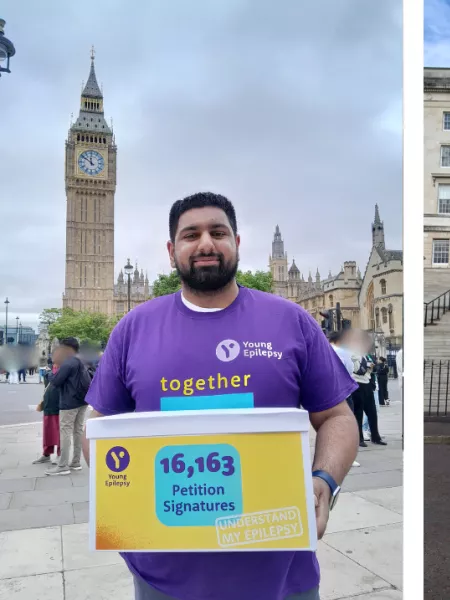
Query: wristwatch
[[334, 487]]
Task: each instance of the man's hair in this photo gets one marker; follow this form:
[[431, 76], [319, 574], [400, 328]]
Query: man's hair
[[70, 342], [383, 360], [337, 336], [200, 200]]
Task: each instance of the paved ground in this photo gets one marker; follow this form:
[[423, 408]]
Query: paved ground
[[437, 521], [17, 401], [43, 527]]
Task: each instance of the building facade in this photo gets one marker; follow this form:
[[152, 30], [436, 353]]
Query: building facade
[[90, 177], [437, 173], [140, 291], [373, 302]]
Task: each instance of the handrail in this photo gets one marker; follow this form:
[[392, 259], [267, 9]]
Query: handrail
[[435, 309]]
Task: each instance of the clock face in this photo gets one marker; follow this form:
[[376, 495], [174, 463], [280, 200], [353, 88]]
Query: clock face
[[91, 162]]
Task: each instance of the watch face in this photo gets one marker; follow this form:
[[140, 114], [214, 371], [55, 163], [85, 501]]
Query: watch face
[[91, 162]]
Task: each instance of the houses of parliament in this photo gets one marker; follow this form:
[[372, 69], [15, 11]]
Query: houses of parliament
[[372, 300]]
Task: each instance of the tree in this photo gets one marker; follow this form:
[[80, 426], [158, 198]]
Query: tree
[[259, 280], [166, 284], [88, 327], [50, 315]]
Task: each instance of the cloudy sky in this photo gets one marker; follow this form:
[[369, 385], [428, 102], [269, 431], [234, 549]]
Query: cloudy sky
[[291, 109], [437, 33]]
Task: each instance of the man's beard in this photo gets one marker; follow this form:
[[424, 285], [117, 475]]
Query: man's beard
[[211, 278]]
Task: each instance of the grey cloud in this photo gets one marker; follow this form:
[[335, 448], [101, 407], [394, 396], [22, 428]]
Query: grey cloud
[[277, 105]]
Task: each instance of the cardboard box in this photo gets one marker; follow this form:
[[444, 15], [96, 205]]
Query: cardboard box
[[207, 480]]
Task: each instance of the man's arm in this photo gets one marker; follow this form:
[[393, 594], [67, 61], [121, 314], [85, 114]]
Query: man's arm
[[336, 448], [85, 442], [61, 375]]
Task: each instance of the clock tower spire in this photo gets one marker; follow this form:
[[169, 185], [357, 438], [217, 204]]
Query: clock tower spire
[[90, 176]]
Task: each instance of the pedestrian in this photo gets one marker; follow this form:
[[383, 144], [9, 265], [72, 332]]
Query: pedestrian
[[72, 381], [50, 435], [382, 372], [339, 341], [204, 329], [399, 362], [363, 397], [22, 375], [374, 386]]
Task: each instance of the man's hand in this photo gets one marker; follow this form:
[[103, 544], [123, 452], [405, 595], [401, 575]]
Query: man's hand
[[322, 494]]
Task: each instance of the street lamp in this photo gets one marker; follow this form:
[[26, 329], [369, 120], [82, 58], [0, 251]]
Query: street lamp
[[128, 268], [6, 49], [20, 331], [17, 331], [6, 323]]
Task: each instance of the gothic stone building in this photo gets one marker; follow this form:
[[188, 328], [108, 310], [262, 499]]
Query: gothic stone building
[[373, 302], [90, 176]]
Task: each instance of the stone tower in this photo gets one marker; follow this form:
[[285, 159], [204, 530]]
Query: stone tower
[[377, 230], [278, 265], [90, 176]]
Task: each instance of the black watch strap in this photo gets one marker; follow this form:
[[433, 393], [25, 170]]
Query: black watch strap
[[334, 487]]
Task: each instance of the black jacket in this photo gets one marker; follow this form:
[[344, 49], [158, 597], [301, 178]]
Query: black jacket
[[72, 380], [51, 401]]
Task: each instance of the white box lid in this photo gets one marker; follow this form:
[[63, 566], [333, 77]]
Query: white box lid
[[198, 422]]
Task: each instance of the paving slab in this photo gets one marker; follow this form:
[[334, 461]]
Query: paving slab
[[341, 576], [76, 553], [35, 516], [353, 512], [81, 512], [5, 500], [378, 550], [30, 552], [368, 481], [50, 497], [388, 594], [53, 483], [17, 485], [113, 582], [37, 587], [80, 478], [23, 471], [390, 498]]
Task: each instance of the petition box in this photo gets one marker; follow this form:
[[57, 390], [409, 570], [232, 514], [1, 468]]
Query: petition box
[[207, 480]]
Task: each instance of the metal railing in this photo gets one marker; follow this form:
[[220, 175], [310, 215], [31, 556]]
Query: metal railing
[[436, 377], [434, 309]]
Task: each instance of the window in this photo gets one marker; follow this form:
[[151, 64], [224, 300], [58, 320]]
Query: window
[[445, 156], [391, 317], [447, 121], [377, 317], [330, 299], [440, 252], [444, 198], [384, 315], [383, 286]]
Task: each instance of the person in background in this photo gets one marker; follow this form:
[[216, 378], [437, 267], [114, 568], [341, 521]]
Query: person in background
[[42, 366], [363, 397], [371, 361], [382, 372], [399, 361], [73, 381], [50, 435], [339, 341]]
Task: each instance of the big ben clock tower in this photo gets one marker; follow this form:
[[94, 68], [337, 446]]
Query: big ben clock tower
[[90, 187]]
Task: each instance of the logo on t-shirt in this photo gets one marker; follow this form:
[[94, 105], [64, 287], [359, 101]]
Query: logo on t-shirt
[[227, 350]]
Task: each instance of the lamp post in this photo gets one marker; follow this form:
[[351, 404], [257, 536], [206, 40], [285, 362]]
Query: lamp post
[[17, 330], [128, 268], [20, 331], [6, 322], [6, 49]]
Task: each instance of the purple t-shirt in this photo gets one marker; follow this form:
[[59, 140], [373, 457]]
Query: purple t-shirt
[[261, 351]]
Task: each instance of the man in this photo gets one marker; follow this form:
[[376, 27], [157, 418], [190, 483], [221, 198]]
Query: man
[[363, 397], [42, 366], [201, 335], [73, 382], [340, 341], [382, 371]]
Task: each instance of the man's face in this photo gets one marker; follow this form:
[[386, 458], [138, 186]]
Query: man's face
[[205, 252]]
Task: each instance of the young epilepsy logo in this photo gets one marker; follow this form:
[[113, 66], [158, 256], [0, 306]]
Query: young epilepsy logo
[[228, 350]]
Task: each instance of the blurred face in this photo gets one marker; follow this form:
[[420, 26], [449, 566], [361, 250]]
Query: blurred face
[[205, 252]]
